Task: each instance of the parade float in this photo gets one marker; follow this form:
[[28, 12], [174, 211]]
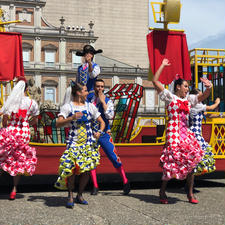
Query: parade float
[[139, 145]]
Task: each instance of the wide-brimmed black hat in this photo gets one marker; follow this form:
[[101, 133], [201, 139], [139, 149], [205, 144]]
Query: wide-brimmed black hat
[[88, 49]]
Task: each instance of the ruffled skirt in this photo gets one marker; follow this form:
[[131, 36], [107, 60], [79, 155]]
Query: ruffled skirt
[[179, 160], [207, 164], [16, 156], [77, 159]]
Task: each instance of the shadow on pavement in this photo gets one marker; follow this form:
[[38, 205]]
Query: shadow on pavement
[[143, 197], [6, 196], [50, 201]]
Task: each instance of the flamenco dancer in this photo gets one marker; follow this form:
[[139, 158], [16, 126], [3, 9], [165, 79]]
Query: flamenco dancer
[[182, 152], [207, 165], [16, 156], [81, 154], [106, 108]]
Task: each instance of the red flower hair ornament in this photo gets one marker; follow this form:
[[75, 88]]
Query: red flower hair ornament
[[171, 86]]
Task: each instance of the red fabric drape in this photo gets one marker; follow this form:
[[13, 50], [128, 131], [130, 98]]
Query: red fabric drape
[[173, 46], [11, 59]]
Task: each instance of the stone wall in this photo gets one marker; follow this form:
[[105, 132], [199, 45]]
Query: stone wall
[[121, 26]]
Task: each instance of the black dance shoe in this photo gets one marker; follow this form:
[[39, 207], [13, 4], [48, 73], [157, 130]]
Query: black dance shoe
[[126, 188], [95, 191]]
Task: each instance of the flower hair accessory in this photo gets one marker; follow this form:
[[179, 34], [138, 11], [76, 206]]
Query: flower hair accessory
[[72, 83], [171, 86], [177, 77]]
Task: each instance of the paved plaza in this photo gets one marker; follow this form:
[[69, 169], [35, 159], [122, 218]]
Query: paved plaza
[[111, 207]]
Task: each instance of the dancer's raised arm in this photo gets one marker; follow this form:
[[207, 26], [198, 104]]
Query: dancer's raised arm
[[206, 93], [158, 86], [213, 106]]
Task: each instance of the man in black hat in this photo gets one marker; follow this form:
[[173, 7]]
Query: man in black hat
[[88, 71]]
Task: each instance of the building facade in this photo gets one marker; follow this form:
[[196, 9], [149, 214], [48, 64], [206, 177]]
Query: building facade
[[121, 26], [49, 53]]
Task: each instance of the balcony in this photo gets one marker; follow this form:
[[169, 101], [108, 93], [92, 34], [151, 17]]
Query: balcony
[[73, 67]]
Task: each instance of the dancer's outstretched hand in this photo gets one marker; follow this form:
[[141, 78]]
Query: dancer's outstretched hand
[[206, 82], [166, 62], [97, 135], [217, 101], [77, 115]]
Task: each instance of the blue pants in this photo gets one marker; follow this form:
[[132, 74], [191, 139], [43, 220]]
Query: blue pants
[[107, 144]]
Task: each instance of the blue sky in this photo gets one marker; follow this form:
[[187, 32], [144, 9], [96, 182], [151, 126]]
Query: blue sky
[[203, 22]]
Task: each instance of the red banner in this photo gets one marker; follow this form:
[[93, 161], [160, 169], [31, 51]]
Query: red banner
[[11, 59], [173, 46]]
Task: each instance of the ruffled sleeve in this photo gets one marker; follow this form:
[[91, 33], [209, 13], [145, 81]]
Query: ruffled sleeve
[[94, 111], [204, 107], [199, 107], [95, 72], [193, 99], [166, 96], [65, 111], [109, 113]]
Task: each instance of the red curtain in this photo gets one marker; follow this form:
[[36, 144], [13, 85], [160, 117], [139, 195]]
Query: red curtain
[[173, 46], [11, 59]]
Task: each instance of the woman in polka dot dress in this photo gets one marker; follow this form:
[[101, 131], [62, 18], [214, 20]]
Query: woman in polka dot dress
[[81, 154], [182, 151], [16, 156]]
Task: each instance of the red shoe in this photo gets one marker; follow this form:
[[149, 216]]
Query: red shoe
[[12, 195], [192, 200], [163, 200]]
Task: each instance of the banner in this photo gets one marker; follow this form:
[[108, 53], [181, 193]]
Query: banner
[[11, 58], [173, 46]]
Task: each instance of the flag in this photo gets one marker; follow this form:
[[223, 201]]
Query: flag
[[173, 46], [11, 59]]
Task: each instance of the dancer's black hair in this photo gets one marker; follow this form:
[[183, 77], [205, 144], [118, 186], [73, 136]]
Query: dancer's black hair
[[98, 80], [179, 81], [194, 91]]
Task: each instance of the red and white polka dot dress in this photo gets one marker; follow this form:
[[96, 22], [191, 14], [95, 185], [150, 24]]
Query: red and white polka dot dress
[[16, 156], [182, 152]]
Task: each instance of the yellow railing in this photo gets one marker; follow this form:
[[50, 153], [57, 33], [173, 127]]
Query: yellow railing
[[217, 140], [2, 24], [206, 57], [6, 87], [147, 122]]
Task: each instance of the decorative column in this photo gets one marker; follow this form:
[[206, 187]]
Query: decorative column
[[161, 106], [12, 12], [62, 53], [37, 52], [115, 80], [37, 17], [37, 79], [62, 87], [138, 80]]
